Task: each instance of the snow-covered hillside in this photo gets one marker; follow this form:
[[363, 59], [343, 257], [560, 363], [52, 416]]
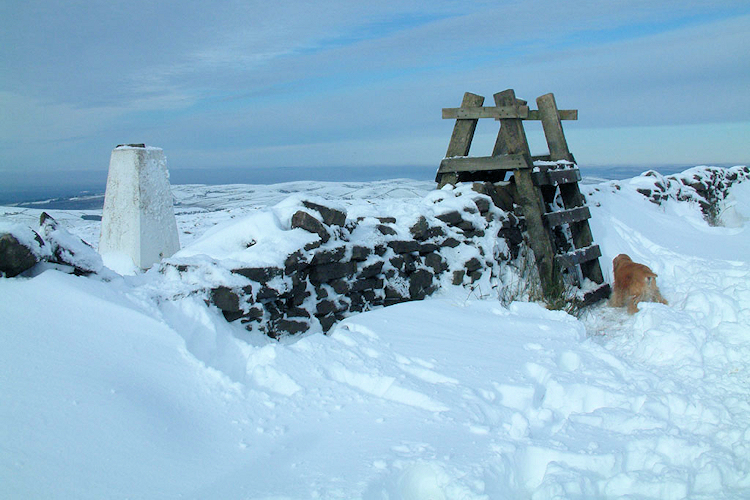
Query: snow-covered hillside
[[109, 391]]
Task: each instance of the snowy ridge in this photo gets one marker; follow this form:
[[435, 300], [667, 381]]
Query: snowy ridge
[[453, 397]]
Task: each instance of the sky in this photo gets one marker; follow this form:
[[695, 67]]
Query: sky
[[342, 83]]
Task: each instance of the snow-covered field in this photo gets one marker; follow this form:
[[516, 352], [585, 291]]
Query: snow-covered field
[[108, 392]]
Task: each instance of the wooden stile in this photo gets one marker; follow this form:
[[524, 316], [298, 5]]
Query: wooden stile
[[539, 188]]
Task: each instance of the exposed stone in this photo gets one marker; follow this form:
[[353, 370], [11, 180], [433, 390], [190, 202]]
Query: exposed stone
[[259, 274], [328, 255], [331, 216], [371, 270], [451, 242], [387, 220], [225, 299], [231, 315], [304, 220], [426, 248], [291, 326], [420, 228], [360, 253], [15, 257], [401, 246], [332, 271], [340, 286], [266, 293], [419, 283], [367, 284], [386, 230], [436, 262], [458, 277], [327, 322], [451, 218], [472, 264]]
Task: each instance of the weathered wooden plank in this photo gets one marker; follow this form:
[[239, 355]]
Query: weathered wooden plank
[[553, 131], [463, 134], [594, 296], [565, 114], [486, 112], [579, 256], [512, 140], [483, 163], [555, 219], [498, 113], [556, 177]]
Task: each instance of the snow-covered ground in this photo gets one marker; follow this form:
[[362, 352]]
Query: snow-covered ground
[[106, 391]]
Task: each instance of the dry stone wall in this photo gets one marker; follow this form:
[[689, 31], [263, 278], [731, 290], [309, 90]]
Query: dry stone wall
[[356, 264]]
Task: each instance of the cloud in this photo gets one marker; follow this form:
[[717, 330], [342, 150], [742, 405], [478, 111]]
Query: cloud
[[261, 80]]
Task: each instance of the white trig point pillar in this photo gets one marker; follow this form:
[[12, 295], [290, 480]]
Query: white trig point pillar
[[138, 220]]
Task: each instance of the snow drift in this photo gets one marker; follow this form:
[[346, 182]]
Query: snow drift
[[110, 390]]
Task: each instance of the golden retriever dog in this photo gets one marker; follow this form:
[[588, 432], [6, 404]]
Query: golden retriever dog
[[633, 283]]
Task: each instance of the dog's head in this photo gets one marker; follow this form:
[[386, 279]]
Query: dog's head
[[620, 260]]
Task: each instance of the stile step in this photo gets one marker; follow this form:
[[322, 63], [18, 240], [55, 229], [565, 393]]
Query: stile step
[[555, 219], [572, 259]]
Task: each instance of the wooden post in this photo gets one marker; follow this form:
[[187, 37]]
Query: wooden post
[[570, 193], [512, 140], [463, 133], [553, 131]]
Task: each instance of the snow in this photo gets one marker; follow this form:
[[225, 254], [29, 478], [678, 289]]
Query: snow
[[129, 388]]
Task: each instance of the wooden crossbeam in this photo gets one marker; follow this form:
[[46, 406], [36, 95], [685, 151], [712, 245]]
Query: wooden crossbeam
[[555, 177], [571, 259], [555, 219], [484, 163], [502, 113]]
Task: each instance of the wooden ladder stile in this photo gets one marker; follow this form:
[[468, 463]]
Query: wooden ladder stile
[[546, 187]]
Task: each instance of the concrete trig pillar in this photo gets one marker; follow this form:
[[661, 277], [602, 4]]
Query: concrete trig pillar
[[138, 219]]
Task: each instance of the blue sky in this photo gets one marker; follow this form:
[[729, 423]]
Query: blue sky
[[348, 83]]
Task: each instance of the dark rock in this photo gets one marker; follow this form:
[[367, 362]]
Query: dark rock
[[360, 253], [266, 293], [473, 233], [332, 271], [331, 216], [253, 314], [419, 230], [435, 232], [340, 286], [426, 248], [259, 274], [387, 220], [419, 284], [328, 255], [367, 284], [303, 220], [313, 245], [290, 326], [473, 264], [644, 192], [225, 299], [436, 262], [458, 277], [451, 218], [450, 243], [483, 205], [325, 307], [15, 257], [380, 250], [401, 246], [388, 231], [295, 263], [297, 312], [231, 315], [327, 322], [466, 226], [371, 270]]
